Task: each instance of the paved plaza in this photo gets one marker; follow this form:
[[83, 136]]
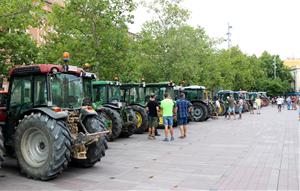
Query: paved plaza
[[259, 152]]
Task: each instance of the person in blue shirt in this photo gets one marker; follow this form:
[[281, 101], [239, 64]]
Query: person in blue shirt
[[183, 109]]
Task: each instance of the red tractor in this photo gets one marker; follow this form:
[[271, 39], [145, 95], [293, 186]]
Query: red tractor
[[3, 97], [47, 127]]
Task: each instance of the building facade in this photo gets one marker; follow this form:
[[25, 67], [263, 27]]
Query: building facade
[[38, 33], [294, 67]]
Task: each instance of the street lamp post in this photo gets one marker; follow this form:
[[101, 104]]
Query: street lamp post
[[274, 65]]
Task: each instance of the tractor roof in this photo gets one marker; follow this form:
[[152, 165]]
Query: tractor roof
[[43, 69], [160, 84], [225, 91], [133, 84], [194, 87], [102, 82]]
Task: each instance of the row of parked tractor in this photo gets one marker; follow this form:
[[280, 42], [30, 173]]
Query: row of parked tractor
[[53, 116]]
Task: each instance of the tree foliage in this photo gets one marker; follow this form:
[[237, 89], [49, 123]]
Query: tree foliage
[[167, 48], [94, 32], [16, 45]]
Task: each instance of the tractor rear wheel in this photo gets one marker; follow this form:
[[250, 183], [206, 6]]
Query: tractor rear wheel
[[129, 126], [42, 146], [1, 147], [200, 111], [142, 119], [222, 109], [115, 122], [95, 150]]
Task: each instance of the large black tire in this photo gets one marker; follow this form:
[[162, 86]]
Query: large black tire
[[116, 122], [95, 150], [142, 119], [2, 150], [129, 126], [42, 146], [200, 111]]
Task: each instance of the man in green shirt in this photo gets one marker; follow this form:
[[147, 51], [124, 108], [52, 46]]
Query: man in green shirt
[[167, 105]]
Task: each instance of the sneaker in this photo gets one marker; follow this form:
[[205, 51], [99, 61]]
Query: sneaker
[[172, 138], [153, 137], [166, 139], [150, 137]]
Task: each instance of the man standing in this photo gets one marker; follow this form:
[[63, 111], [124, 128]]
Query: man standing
[[258, 104], [183, 106], [240, 106], [217, 105], [231, 107], [279, 101], [152, 109], [167, 105]]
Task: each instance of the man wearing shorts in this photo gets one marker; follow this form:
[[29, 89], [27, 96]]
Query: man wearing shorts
[[183, 106], [167, 105], [231, 107], [152, 109]]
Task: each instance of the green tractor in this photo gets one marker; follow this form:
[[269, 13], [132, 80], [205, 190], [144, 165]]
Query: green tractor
[[222, 95], [202, 110], [107, 100], [134, 95], [47, 127], [159, 89]]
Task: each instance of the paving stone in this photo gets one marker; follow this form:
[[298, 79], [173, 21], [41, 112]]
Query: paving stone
[[255, 153]]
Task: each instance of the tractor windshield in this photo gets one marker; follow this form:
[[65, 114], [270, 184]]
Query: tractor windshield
[[195, 94], [134, 94], [159, 92], [67, 91], [114, 93]]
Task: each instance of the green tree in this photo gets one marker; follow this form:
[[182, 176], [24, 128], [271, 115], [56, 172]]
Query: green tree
[[169, 49], [94, 32], [16, 45]]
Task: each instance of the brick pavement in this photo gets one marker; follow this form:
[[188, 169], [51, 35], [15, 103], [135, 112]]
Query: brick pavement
[[259, 152]]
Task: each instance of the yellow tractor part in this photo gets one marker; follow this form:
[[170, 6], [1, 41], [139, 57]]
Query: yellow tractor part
[[139, 119]]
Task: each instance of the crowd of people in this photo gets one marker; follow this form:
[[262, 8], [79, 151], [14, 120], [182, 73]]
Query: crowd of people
[[170, 109], [234, 107], [181, 108]]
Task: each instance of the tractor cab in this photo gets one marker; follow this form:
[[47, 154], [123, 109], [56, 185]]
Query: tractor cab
[[107, 92], [133, 93], [159, 89], [195, 92], [223, 94]]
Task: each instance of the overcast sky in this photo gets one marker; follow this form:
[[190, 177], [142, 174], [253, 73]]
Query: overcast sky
[[257, 25]]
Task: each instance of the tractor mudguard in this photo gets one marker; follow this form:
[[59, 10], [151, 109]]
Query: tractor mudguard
[[87, 112], [197, 101], [112, 106], [143, 106], [50, 112]]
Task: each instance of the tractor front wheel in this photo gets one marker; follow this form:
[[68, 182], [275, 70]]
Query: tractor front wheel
[[114, 122], [43, 146], [95, 150]]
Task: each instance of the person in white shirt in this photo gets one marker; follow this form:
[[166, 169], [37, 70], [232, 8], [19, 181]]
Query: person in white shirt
[[218, 105], [279, 102]]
